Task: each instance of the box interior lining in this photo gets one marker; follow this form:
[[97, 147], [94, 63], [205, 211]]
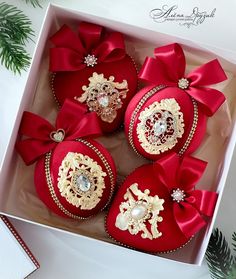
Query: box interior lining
[[19, 197]]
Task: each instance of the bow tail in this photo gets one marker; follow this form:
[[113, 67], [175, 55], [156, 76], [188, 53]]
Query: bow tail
[[188, 219]]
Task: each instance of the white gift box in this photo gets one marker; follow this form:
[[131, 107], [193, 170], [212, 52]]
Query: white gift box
[[17, 195], [16, 259]]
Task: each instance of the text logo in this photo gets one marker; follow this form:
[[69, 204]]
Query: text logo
[[171, 14]]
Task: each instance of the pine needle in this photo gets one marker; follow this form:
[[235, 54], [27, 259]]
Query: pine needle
[[234, 241], [15, 31], [34, 3], [219, 257], [232, 273]]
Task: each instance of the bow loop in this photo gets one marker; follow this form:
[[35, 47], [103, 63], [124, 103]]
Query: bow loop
[[72, 122], [207, 74], [180, 178], [203, 199], [71, 50], [90, 35], [66, 38], [172, 61], [168, 68], [111, 49], [190, 171], [34, 126], [162, 169]]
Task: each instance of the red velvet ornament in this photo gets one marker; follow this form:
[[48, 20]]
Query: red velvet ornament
[[170, 113], [93, 68], [157, 209], [74, 175], [76, 203]]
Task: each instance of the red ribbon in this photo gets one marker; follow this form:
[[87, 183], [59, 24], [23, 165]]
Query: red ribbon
[[184, 175], [168, 67], [71, 49], [73, 119]]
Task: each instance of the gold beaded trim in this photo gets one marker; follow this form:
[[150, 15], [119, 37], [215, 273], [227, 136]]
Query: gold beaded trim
[[20, 240], [51, 188], [193, 128], [53, 75], [135, 249], [138, 108]]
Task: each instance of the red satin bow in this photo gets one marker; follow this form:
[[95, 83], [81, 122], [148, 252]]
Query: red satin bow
[[169, 67], [72, 119], [184, 175], [71, 49]]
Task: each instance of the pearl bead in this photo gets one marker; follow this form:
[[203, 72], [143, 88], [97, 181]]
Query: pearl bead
[[138, 211], [122, 222]]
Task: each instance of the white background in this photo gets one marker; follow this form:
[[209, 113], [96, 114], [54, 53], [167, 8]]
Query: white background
[[62, 256]]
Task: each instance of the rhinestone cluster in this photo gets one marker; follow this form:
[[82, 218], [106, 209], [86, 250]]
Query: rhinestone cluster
[[90, 60], [161, 125], [178, 195], [83, 183], [58, 136], [183, 83], [103, 95]]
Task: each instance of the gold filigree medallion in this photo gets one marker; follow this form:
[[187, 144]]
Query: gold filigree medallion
[[81, 180], [104, 96], [140, 213], [160, 126]]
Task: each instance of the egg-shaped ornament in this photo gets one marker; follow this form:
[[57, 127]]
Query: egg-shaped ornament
[[157, 209], [74, 175], [170, 113], [92, 67]]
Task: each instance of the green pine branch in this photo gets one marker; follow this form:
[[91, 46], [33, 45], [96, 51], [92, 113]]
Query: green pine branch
[[219, 258], [234, 241], [15, 31], [232, 272], [34, 3]]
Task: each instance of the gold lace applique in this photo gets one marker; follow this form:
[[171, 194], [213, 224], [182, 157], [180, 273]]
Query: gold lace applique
[[104, 96], [160, 126], [140, 213], [81, 180]]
